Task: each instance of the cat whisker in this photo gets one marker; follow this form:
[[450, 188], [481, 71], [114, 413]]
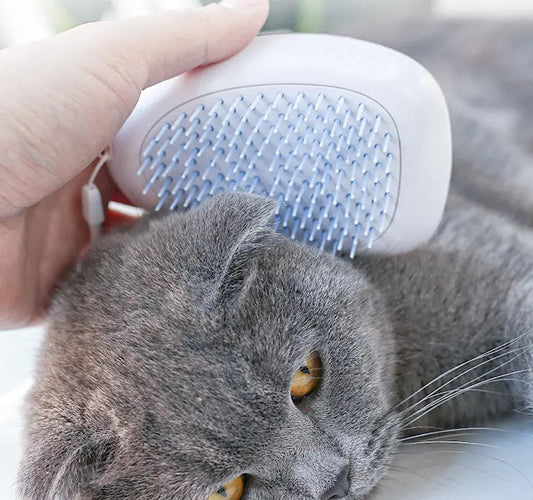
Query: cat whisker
[[470, 453], [437, 435], [466, 466], [403, 470], [525, 412], [387, 488], [436, 404], [388, 477], [461, 365], [469, 430], [440, 429], [446, 441], [495, 393], [436, 391], [461, 390]]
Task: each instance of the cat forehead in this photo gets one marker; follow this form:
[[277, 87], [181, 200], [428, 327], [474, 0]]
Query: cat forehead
[[150, 305], [158, 314], [160, 331], [148, 283]]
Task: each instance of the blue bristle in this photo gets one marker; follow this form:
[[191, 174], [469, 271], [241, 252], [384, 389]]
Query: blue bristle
[[177, 199], [360, 111], [147, 160], [154, 177], [340, 104], [179, 120], [216, 185], [295, 228], [149, 148], [165, 128], [331, 161], [190, 197], [164, 188], [162, 201]]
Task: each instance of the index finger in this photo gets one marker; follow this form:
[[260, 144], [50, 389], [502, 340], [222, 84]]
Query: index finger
[[194, 37]]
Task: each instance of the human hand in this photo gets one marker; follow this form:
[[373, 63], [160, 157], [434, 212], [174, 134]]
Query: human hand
[[62, 101]]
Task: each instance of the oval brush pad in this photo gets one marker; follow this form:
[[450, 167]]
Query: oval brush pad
[[352, 138]]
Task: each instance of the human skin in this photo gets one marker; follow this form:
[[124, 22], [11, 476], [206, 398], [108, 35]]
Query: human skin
[[62, 100]]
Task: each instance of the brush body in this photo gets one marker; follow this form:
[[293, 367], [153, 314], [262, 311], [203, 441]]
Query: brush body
[[351, 138]]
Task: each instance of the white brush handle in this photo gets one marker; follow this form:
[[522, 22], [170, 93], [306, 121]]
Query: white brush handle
[[403, 87]]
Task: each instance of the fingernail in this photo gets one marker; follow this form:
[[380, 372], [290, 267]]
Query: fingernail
[[241, 4]]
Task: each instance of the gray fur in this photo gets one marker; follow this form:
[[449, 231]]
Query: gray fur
[[167, 365]]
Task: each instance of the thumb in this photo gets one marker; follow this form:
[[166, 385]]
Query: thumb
[[62, 100]]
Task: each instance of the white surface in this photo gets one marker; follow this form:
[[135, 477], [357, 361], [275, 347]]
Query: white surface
[[499, 466], [18, 349]]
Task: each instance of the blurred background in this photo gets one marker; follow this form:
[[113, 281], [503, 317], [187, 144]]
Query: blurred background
[[26, 20]]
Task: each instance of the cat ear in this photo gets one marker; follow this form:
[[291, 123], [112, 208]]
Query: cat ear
[[50, 471], [249, 222]]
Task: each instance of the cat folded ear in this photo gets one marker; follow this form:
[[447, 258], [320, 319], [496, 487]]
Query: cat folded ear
[[226, 235], [215, 244], [52, 471], [252, 218]]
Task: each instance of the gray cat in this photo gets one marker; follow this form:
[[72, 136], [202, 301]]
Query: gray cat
[[173, 353]]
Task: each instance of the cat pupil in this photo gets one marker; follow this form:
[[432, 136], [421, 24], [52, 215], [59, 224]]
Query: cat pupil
[[306, 370]]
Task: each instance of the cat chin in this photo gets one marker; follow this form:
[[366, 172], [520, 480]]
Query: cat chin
[[371, 481], [378, 456]]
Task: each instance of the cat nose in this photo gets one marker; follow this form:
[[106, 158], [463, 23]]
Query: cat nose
[[340, 488]]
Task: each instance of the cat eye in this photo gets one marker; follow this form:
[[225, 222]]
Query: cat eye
[[230, 491], [306, 379]]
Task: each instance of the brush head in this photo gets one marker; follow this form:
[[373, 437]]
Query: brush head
[[358, 157]]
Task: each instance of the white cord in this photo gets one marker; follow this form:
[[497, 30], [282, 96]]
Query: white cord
[[93, 207], [103, 158]]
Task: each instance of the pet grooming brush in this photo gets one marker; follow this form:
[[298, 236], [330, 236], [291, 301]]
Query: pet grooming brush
[[351, 137]]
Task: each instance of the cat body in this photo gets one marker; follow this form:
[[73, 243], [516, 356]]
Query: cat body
[[167, 367], [470, 288]]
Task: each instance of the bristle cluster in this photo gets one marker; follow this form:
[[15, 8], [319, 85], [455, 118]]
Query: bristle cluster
[[330, 156]]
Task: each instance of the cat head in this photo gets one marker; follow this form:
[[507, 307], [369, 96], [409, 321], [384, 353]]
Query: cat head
[[205, 349]]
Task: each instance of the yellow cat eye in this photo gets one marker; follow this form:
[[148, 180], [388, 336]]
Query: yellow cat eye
[[307, 377], [230, 491]]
